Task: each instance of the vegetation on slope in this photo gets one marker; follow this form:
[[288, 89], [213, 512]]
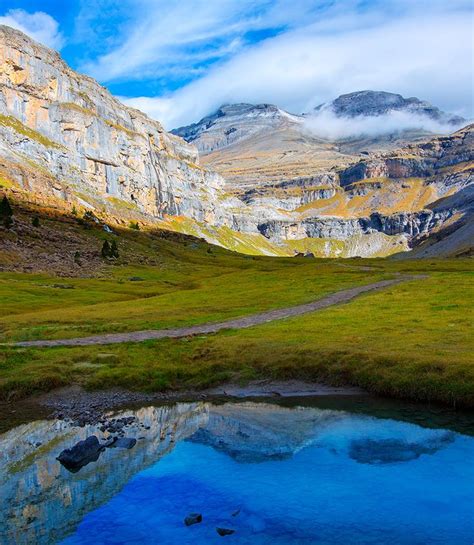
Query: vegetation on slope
[[413, 340]]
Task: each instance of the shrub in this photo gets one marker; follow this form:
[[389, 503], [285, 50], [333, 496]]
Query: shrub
[[5, 208], [35, 222], [106, 251], [134, 225], [114, 252]]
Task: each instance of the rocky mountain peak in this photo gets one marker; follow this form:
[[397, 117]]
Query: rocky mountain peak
[[232, 122], [375, 103]]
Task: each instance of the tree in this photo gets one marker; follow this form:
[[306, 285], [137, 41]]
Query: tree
[[106, 249], [114, 252], [74, 210], [35, 222], [134, 225], [77, 257], [5, 208]]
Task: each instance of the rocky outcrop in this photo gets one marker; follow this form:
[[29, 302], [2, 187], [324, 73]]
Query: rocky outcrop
[[69, 126], [423, 160]]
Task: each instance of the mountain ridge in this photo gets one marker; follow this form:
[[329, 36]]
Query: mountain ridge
[[64, 137]]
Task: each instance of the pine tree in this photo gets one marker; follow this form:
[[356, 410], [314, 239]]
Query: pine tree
[[114, 252], [35, 222], [74, 210], [106, 249], [5, 209]]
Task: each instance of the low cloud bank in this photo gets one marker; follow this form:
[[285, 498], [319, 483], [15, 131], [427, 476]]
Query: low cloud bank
[[327, 124]]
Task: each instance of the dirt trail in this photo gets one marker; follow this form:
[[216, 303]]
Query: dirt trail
[[339, 297]]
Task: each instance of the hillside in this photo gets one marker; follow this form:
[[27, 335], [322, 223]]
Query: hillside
[[67, 144]]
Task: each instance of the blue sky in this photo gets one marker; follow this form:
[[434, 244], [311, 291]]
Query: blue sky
[[179, 60]]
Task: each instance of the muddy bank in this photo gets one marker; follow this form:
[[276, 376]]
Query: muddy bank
[[89, 407]]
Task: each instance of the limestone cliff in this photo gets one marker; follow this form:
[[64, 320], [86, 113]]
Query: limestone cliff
[[71, 128]]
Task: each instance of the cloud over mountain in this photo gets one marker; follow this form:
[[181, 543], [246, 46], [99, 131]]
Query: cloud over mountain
[[39, 25]]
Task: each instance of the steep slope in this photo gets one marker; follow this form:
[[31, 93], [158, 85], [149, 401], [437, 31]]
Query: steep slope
[[71, 128], [66, 141]]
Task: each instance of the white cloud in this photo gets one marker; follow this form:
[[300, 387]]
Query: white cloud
[[326, 124], [38, 25], [166, 36], [415, 52]]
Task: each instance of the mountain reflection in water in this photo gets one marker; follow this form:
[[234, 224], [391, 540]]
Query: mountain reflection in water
[[278, 475]]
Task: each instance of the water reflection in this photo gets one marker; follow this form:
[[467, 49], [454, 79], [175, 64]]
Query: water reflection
[[42, 501], [274, 474]]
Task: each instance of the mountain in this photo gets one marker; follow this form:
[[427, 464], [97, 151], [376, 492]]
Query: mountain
[[66, 144], [234, 122], [256, 144], [377, 103]]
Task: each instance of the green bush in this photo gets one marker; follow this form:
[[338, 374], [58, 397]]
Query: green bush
[[5, 208], [106, 250]]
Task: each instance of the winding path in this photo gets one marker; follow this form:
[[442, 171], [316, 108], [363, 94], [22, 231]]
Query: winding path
[[339, 297]]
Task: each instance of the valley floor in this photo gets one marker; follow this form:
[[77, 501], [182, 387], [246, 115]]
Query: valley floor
[[411, 340]]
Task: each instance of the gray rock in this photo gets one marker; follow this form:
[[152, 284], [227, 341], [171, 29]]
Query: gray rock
[[124, 442], [81, 454]]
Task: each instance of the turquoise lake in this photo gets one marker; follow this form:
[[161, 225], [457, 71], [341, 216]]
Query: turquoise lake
[[273, 474]]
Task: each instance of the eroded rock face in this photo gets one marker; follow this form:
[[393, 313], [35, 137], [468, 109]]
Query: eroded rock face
[[70, 126], [62, 135], [42, 501]]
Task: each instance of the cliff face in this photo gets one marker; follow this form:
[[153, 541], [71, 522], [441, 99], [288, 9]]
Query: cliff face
[[63, 136], [69, 126]]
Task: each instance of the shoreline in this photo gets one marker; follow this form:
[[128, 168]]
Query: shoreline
[[85, 407], [80, 407]]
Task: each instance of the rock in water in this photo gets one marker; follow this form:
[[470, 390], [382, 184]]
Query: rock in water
[[225, 531], [124, 442], [193, 518], [80, 454]]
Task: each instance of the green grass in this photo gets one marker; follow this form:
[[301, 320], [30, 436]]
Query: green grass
[[210, 288], [413, 340]]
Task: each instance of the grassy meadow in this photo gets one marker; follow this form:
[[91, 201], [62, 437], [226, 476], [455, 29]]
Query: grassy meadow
[[412, 340]]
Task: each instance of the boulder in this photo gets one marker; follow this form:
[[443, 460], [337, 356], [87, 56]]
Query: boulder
[[81, 454], [124, 442]]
